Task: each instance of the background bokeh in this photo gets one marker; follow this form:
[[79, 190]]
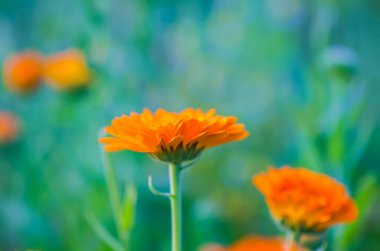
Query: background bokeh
[[302, 75]]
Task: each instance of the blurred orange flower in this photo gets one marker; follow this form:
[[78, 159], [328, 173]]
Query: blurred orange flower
[[172, 137], [9, 127], [212, 247], [67, 70], [253, 243], [22, 71], [305, 201]]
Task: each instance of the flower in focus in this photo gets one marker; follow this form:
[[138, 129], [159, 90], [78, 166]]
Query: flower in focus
[[22, 71], [9, 127], [67, 70], [253, 243], [304, 201], [172, 137]]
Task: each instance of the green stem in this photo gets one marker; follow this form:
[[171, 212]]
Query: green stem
[[114, 197], [307, 242], [289, 241], [175, 202]]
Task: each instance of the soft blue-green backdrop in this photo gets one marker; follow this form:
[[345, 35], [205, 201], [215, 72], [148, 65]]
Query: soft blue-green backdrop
[[302, 75]]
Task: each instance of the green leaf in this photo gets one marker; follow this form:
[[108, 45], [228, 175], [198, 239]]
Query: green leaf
[[365, 130], [112, 188], [127, 215], [364, 198], [102, 232], [336, 145], [309, 153]]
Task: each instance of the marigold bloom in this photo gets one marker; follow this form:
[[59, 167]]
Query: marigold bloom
[[67, 70], [259, 243], [9, 127], [22, 71], [305, 201], [172, 137], [212, 247]]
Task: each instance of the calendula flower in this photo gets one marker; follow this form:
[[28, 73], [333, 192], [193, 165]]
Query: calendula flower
[[304, 201], [212, 247], [22, 71], [260, 243], [253, 243], [9, 127], [67, 70], [172, 137]]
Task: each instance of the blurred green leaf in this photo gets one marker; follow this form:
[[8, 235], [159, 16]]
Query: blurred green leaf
[[113, 191], [127, 216], [363, 137], [102, 233], [309, 153], [336, 145], [364, 198]]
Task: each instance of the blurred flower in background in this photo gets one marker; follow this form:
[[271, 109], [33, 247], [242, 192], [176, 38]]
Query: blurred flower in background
[[9, 127], [212, 247], [67, 70], [254, 243], [304, 201], [261, 243], [22, 71]]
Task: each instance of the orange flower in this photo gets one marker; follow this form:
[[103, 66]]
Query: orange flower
[[9, 127], [22, 72], [172, 137], [253, 243], [305, 201], [67, 70], [212, 247]]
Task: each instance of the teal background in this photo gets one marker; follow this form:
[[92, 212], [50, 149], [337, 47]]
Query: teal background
[[303, 76]]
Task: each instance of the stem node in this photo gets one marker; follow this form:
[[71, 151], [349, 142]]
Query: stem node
[[154, 190]]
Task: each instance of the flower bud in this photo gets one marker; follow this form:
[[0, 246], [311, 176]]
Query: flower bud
[[340, 62]]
